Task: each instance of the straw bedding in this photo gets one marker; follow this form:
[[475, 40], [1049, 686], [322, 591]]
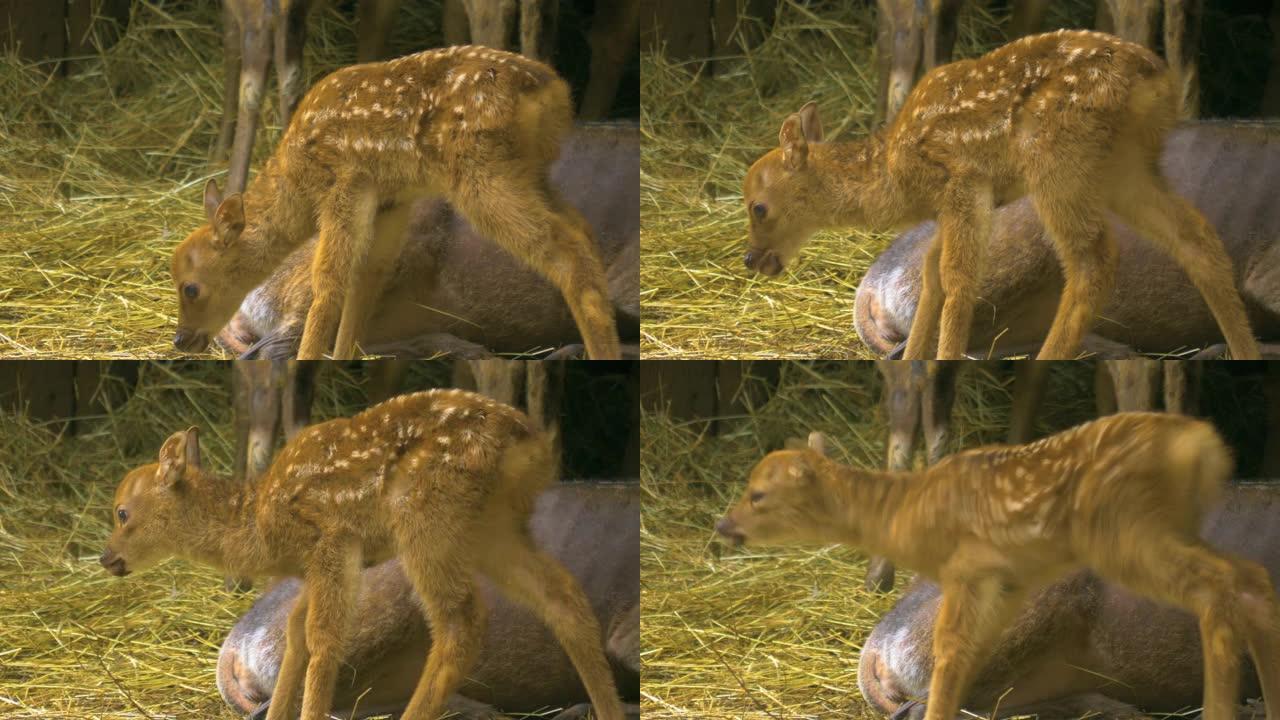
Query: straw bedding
[[762, 632], [702, 133], [76, 642]]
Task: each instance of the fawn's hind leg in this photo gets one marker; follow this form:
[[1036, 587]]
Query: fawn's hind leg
[[521, 212], [1088, 255], [436, 530], [531, 577], [1184, 572], [1145, 201], [965, 228]]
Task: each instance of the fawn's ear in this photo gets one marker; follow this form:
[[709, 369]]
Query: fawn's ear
[[173, 457], [193, 447], [810, 125], [212, 198], [228, 220], [818, 442], [795, 149]]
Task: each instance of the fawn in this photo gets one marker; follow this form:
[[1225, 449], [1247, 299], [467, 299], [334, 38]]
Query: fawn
[[1122, 495], [1081, 647], [1075, 119], [453, 291], [476, 126], [592, 528], [1153, 307], [446, 480]]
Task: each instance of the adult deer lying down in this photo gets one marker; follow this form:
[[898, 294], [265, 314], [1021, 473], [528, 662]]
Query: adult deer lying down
[[1123, 496], [1082, 645], [1229, 170], [593, 529], [1076, 120], [445, 480], [454, 291]]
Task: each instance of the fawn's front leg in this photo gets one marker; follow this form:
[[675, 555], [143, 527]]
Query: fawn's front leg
[[284, 698], [975, 608], [369, 276], [346, 229], [333, 582], [965, 227]]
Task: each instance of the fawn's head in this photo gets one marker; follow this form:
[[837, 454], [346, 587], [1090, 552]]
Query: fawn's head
[[149, 510], [784, 500], [207, 271], [780, 193]]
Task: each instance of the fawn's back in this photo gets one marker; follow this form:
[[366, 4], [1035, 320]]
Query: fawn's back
[[387, 118], [1056, 94], [353, 475], [1054, 492]]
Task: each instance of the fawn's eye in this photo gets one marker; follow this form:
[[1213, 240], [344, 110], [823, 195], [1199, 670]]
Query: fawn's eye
[[756, 497], [190, 291], [122, 515], [759, 210]]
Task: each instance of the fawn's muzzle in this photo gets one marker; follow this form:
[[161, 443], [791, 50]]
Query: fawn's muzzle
[[763, 261], [728, 529], [113, 563], [190, 340]]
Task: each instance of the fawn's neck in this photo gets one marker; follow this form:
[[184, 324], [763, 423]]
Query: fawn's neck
[[862, 192], [222, 526], [864, 503], [278, 219]]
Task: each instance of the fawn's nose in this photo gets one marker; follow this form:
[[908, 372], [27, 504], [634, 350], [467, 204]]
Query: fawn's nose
[[190, 340], [729, 530]]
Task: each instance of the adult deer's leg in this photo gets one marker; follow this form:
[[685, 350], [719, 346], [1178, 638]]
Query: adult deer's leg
[[375, 27], [538, 25], [1182, 48], [965, 227], [1088, 256], [901, 29], [1145, 201], [612, 38], [255, 48], [230, 80], [284, 698], [924, 326], [291, 38], [346, 229], [369, 275], [903, 388], [491, 21]]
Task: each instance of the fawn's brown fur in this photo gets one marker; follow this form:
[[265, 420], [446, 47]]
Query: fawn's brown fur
[[1075, 119], [445, 480], [476, 126], [1123, 496]]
